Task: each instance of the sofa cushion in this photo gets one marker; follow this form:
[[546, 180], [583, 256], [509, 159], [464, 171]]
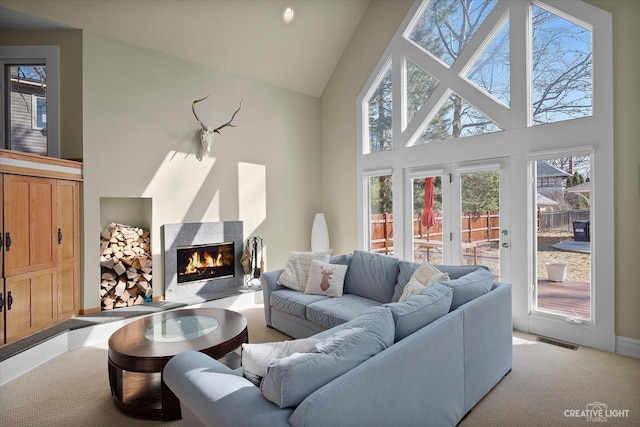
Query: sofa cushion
[[326, 279], [293, 302], [257, 357], [371, 275], [291, 379], [343, 259], [421, 309], [296, 272], [470, 286], [336, 311]]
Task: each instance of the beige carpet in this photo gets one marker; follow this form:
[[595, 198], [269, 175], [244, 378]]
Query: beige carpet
[[546, 382]]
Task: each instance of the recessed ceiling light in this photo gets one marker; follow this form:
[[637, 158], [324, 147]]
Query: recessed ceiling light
[[288, 14]]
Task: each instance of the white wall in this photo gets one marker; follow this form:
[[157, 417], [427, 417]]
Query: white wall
[[338, 105], [141, 140]]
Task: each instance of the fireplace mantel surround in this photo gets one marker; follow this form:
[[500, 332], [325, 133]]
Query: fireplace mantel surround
[[201, 233]]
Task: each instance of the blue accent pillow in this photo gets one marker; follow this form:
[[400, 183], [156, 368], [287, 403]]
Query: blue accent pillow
[[290, 380], [421, 309], [371, 275], [470, 286]]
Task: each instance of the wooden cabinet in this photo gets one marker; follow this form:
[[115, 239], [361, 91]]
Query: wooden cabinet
[[40, 260], [29, 223], [68, 235]]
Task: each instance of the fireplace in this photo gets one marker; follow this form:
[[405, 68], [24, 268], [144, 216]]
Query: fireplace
[[201, 258], [205, 262]]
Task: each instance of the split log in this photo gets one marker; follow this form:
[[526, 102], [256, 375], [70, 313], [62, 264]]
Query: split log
[[126, 266]]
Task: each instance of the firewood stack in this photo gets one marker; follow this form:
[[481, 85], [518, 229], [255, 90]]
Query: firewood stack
[[126, 266]]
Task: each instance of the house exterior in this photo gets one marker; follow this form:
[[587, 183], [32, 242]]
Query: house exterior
[[28, 112], [551, 181]]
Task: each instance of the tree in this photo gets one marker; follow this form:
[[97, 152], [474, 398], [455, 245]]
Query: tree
[[480, 192]]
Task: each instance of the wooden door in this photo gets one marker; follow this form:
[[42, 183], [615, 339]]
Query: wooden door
[[29, 224], [68, 249], [32, 297], [3, 295], [3, 309]]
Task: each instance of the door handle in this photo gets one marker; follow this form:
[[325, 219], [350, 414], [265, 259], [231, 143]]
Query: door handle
[[9, 300], [7, 241], [59, 236], [1, 303], [505, 245], [0, 241]]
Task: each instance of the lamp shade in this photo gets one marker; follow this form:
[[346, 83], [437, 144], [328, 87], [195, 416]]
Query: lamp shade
[[319, 234]]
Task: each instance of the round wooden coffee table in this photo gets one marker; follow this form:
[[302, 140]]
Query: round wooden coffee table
[[139, 351]]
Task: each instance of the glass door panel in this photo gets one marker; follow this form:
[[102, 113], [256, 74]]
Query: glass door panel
[[563, 237], [480, 219], [427, 219]]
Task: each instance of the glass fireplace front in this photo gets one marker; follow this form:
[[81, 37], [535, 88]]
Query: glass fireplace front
[[205, 262]]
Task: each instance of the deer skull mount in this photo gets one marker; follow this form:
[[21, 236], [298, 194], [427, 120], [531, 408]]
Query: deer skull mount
[[207, 133]]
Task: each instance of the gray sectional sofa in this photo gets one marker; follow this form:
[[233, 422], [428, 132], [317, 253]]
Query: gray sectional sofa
[[425, 361]]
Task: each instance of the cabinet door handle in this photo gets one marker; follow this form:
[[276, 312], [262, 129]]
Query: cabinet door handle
[[7, 241], [0, 241], [1, 303], [59, 236], [9, 300]]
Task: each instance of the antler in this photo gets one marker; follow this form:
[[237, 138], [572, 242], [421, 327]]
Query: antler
[[193, 108], [217, 130]]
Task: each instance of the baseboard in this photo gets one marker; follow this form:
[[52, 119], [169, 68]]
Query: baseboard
[[628, 347]]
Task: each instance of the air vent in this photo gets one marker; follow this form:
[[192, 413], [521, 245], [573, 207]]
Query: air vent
[[558, 343]]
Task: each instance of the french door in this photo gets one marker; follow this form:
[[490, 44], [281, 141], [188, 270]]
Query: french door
[[460, 215]]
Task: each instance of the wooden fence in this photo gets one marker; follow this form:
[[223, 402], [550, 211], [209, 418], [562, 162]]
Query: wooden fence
[[476, 227], [560, 220]]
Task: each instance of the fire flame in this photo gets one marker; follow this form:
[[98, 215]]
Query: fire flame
[[195, 263]]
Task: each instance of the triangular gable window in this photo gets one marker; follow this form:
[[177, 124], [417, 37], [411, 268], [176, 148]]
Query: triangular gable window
[[380, 107], [420, 85], [445, 28], [491, 71], [456, 119]]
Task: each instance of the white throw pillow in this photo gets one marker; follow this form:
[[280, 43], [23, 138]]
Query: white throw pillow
[[326, 279], [413, 287], [428, 274], [296, 273], [256, 358], [424, 276]]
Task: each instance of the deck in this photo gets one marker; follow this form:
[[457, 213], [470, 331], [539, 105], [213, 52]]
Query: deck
[[571, 299]]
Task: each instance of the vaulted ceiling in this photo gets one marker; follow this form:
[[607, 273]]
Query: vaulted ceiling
[[245, 37]]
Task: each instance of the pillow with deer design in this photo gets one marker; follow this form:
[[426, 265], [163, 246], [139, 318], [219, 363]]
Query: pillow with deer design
[[326, 279]]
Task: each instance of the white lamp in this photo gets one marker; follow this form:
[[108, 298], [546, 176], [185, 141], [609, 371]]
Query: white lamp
[[319, 234]]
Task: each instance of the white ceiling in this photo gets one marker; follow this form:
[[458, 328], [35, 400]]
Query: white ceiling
[[245, 37]]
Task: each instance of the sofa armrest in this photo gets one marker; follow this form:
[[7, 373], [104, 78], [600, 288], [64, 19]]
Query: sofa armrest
[[269, 282], [217, 395], [488, 347]]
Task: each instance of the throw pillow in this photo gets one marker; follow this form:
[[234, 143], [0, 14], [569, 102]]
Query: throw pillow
[[425, 275], [420, 309], [326, 279], [296, 273], [412, 288], [290, 380], [428, 274], [470, 286], [257, 357]]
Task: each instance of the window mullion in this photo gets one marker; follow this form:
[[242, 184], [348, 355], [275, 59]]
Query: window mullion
[[520, 35]]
